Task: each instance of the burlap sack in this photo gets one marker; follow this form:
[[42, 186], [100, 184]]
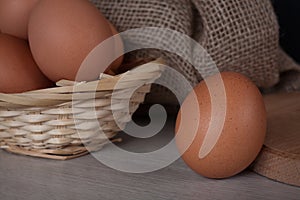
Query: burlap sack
[[240, 36]]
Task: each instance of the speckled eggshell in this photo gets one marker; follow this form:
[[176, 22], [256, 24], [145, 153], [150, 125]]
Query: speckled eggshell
[[243, 132]]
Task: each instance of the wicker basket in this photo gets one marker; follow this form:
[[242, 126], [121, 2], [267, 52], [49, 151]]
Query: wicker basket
[[41, 123]]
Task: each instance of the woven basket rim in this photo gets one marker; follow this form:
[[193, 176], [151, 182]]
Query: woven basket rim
[[50, 123], [66, 88]]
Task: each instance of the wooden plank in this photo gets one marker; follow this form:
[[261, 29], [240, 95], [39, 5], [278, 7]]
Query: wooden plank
[[28, 178], [280, 157]]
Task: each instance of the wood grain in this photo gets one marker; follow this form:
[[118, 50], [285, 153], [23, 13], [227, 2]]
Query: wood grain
[[280, 156], [86, 178]]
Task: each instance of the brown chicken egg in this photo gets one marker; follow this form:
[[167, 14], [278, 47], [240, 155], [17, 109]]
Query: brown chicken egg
[[19, 72], [61, 35], [241, 134], [14, 15]]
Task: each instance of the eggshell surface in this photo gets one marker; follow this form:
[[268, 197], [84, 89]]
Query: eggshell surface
[[243, 131], [14, 16], [19, 72], [61, 35]]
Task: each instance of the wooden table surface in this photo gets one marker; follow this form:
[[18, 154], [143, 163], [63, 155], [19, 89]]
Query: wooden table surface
[[86, 178]]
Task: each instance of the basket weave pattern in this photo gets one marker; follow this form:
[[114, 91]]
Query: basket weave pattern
[[58, 121]]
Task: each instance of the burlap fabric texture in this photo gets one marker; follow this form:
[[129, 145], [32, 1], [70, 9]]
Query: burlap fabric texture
[[241, 36]]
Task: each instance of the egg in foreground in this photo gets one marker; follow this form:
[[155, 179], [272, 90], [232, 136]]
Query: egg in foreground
[[243, 132]]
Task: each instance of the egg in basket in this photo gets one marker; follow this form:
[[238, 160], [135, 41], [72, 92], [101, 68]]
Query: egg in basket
[[46, 108]]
